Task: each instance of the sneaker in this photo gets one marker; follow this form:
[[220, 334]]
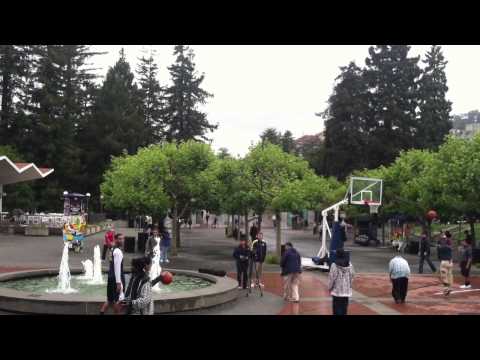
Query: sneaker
[[463, 286], [468, 286], [252, 285], [447, 292], [262, 284], [167, 261], [239, 287]]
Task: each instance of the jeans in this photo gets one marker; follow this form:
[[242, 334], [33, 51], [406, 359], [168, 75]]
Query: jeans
[[242, 275], [426, 258], [340, 305], [164, 253], [400, 288]]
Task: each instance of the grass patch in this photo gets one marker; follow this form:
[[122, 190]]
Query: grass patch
[[272, 259]]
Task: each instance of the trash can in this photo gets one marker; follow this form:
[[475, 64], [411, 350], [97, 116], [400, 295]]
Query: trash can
[[142, 240], [129, 245]]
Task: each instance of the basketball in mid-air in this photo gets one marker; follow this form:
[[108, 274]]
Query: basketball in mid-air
[[167, 277], [431, 215]]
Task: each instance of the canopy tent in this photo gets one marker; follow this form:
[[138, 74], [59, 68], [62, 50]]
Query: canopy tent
[[11, 173]]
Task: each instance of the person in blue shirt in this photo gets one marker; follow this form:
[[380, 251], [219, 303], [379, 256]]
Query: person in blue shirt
[[165, 243], [242, 255], [291, 265]]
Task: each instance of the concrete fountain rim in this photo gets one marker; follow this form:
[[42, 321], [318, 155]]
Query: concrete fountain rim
[[222, 290]]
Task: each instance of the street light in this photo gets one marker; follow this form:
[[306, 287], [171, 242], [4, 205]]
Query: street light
[[65, 193], [88, 198], [101, 203]]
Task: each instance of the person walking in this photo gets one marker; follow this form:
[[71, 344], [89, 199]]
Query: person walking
[[446, 267], [138, 297], [215, 222], [116, 278], [207, 217], [399, 271], [340, 279], [424, 253], [448, 238], [165, 244], [152, 241], [108, 241], [291, 265], [466, 262], [259, 249], [242, 254]]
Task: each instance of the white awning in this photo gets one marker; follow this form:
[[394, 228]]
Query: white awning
[[11, 173]]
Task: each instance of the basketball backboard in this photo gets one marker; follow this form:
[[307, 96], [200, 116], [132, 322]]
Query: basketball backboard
[[365, 191]]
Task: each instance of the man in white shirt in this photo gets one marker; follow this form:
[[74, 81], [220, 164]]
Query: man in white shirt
[[399, 272], [116, 277]]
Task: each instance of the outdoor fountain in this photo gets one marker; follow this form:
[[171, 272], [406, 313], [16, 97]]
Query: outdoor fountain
[[76, 291], [156, 269]]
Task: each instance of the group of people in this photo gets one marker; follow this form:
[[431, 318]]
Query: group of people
[[400, 271]]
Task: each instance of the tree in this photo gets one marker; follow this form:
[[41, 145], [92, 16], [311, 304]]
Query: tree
[[223, 153], [288, 142], [152, 97], [272, 136], [434, 107], [184, 120], [270, 172], [393, 79], [347, 124], [115, 125], [312, 149], [161, 178]]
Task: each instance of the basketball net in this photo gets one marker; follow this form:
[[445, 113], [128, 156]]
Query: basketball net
[[373, 206]]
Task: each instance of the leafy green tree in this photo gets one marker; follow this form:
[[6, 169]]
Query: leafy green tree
[[184, 119], [272, 136], [288, 142], [312, 149], [160, 178], [223, 153], [434, 107]]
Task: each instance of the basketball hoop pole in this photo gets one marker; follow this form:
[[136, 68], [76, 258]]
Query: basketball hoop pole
[[336, 207]]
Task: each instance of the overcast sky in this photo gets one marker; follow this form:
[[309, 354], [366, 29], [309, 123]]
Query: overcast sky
[[260, 86]]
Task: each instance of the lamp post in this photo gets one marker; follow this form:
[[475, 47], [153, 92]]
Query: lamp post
[[101, 203], [88, 198]]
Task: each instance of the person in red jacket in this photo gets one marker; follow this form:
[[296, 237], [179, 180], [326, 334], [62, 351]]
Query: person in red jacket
[[108, 241]]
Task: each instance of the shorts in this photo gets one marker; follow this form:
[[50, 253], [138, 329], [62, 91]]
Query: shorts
[[464, 270], [112, 294]]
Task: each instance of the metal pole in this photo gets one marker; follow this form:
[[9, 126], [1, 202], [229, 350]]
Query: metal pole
[[1, 200]]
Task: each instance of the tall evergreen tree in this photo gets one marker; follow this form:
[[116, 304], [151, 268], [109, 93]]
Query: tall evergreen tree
[[184, 119], [152, 97], [434, 107], [347, 123], [272, 136], [288, 142], [393, 79], [116, 124]]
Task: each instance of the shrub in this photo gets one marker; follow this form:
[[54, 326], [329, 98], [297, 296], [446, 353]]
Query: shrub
[[272, 259]]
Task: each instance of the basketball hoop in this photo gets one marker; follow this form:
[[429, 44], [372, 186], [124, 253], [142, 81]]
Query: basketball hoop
[[373, 206]]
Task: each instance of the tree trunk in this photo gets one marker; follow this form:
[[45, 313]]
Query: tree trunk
[[260, 218], [471, 221], [246, 225], [173, 249], [238, 227], [278, 222], [178, 234]]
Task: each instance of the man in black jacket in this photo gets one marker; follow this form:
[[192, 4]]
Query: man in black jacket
[[425, 253], [242, 256], [259, 249]]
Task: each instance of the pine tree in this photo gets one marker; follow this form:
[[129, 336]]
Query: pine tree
[[272, 136], [347, 123], [152, 97], [116, 124], [288, 142], [184, 119], [394, 97], [434, 107]]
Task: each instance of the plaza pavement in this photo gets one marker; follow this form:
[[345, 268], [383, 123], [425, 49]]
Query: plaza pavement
[[208, 248]]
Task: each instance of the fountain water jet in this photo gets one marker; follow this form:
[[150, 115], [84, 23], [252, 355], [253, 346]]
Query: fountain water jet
[[87, 269], [97, 278], [156, 269], [64, 275]]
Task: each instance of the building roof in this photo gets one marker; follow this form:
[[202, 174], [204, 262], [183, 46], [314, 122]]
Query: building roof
[[11, 172]]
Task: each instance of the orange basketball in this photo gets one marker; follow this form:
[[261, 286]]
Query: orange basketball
[[167, 277], [431, 215]]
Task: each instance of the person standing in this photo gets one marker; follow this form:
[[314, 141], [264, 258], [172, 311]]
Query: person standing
[[190, 223], [165, 244], [466, 262], [340, 279], [138, 297], [242, 254], [291, 265], [253, 231], [424, 253], [108, 241], [446, 267], [215, 222], [116, 278], [153, 240], [207, 217], [399, 271], [259, 249]]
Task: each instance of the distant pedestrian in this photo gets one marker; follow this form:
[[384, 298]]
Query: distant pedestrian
[[153, 240], [259, 249], [424, 253], [340, 279], [108, 241], [242, 254], [190, 223], [466, 262], [207, 217], [448, 238], [399, 271], [291, 265], [165, 244], [446, 267], [215, 222], [253, 232]]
